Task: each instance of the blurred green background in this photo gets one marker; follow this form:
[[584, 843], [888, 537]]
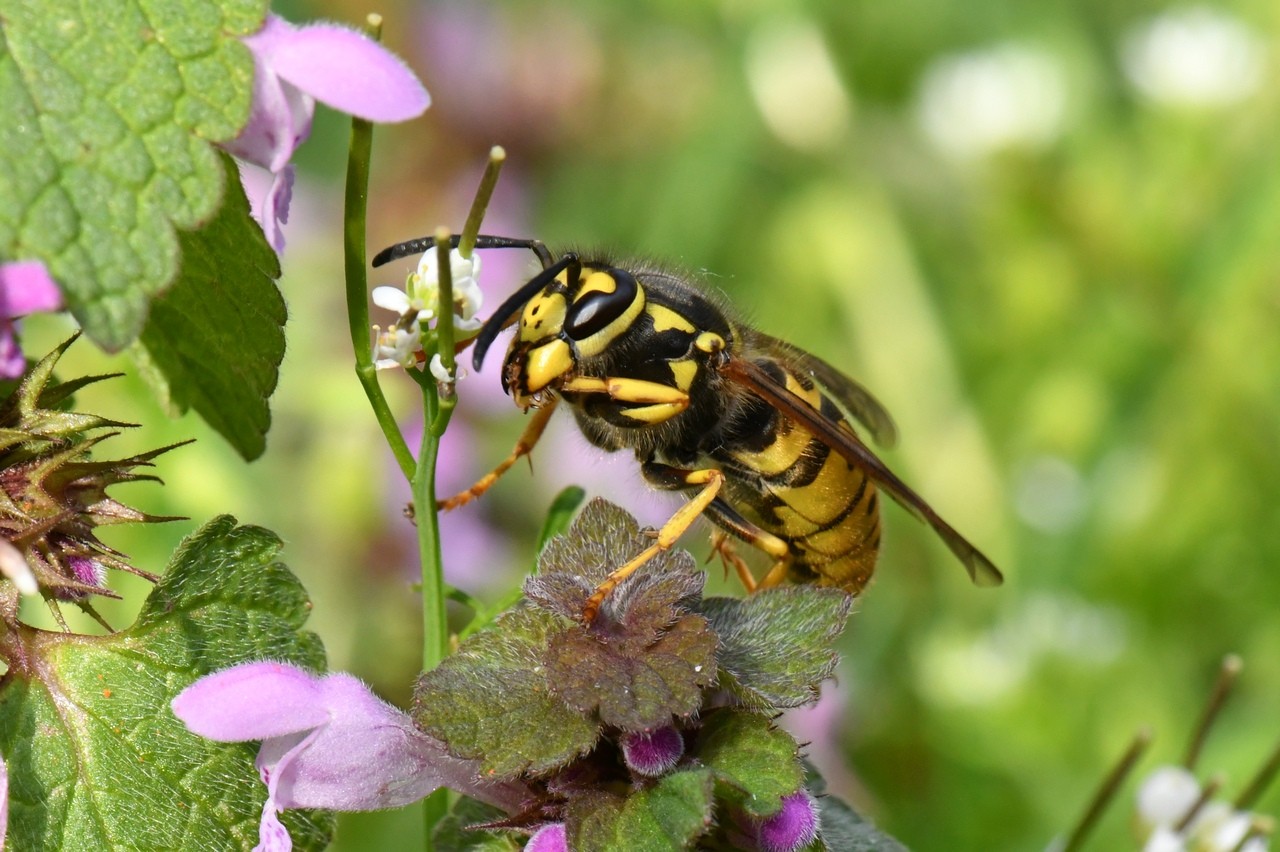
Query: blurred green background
[[1046, 235]]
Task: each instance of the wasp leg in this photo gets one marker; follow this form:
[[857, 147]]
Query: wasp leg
[[728, 519], [524, 446], [721, 546], [663, 401], [710, 479]]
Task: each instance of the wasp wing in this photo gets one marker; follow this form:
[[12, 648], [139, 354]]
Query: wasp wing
[[981, 569], [855, 400]]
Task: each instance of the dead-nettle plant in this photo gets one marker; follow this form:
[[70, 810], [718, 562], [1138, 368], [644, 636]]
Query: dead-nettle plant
[[652, 727]]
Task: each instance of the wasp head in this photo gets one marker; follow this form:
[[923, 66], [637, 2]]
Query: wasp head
[[565, 324]]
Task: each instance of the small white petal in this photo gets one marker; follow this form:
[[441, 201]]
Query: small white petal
[[438, 370], [396, 347], [14, 566], [391, 299], [1165, 839], [1166, 795]]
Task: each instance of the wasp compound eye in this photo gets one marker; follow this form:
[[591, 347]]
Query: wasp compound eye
[[597, 307]]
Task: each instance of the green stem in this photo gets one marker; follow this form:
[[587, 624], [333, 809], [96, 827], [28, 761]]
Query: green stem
[[497, 156], [356, 215], [435, 630], [1106, 793], [444, 325]]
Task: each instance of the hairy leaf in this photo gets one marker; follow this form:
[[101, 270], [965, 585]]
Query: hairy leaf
[[96, 758], [633, 686], [491, 701], [214, 341], [668, 815], [755, 763], [107, 112], [778, 645], [602, 538]]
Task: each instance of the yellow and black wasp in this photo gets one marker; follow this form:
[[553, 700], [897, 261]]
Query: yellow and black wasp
[[755, 429]]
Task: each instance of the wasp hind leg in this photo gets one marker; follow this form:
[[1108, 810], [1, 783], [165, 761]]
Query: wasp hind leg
[[524, 446], [729, 520], [710, 479]]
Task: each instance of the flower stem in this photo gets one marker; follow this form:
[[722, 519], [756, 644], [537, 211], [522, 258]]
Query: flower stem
[[1227, 674], [497, 156], [357, 283], [444, 326], [435, 631], [1106, 793]]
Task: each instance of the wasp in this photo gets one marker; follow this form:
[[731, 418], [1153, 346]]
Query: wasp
[[757, 432]]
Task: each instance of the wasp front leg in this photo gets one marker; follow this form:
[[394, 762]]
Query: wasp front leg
[[711, 481], [654, 402], [524, 446]]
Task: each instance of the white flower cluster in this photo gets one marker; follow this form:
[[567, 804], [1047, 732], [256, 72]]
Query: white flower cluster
[[401, 344], [1164, 800]]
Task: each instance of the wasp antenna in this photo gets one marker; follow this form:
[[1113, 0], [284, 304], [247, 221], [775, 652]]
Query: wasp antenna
[[506, 312], [421, 244]]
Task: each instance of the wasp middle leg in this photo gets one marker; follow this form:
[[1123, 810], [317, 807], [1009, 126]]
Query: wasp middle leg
[[711, 481]]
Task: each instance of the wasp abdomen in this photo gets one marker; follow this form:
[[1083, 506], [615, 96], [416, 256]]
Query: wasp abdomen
[[792, 485]]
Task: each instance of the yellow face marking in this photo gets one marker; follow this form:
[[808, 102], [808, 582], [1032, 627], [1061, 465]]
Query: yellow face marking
[[709, 342], [684, 372], [598, 342], [597, 282], [665, 319], [543, 317], [656, 413], [547, 363]]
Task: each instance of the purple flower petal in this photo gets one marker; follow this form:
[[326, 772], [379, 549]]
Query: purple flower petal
[[369, 756], [280, 116], [269, 197], [348, 71], [272, 835], [549, 838], [27, 288], [252, 701], [793, 827], [652, 753]]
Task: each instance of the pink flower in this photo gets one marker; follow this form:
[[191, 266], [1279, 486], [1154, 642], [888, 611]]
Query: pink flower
[[327, 742], [549, 838], [25, 288], [791, 828], [293, 67]]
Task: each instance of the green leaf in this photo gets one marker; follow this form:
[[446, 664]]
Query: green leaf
[[644, 658], [96, 758], [633, 686], [560, 514], [778, 645], [669, 815], [452, 834], [602, 538], [491, 700], [214, 341], [755, 763], [107, 112]]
